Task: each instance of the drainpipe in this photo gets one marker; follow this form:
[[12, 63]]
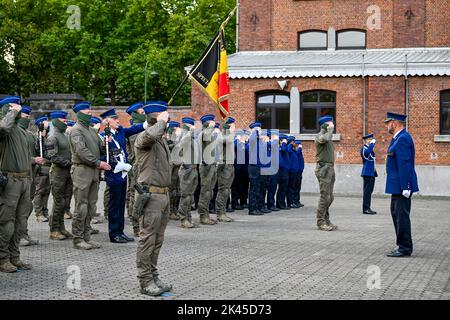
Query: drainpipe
[[406, 91], [237, 25], [364, 95]]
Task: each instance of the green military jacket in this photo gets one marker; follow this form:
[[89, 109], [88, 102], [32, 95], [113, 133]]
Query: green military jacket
[[58, 149], [324, 146], [85, 145]]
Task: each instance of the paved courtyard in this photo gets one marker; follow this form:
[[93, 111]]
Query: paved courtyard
[[276, 256]]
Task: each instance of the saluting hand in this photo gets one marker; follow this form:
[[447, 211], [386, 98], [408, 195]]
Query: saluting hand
[[15, 106], [163, 116], [373, 141]]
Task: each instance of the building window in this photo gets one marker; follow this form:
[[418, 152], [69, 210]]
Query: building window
[[313, 40], [272, 110], [316, 104], [445, 112], [351, 39]]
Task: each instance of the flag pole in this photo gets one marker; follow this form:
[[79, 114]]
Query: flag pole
[[222, 26]]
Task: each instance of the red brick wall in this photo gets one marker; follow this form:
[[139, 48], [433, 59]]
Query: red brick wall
[[383, 94], [279, 22]]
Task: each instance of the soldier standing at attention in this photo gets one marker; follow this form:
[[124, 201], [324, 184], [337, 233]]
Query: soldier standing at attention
[[154, 178], [368, 172], [86, 147], [208, 168], [137, 116], [15, 179], [173, 138], [225, 169], [188, 173], [40, 200], [325, 172], [401, 181], [283, 173], [68, 214], [58, 147], [35, 159], [254, 169]]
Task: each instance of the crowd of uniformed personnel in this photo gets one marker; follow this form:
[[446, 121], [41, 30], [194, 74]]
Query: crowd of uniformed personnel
[[155, 168]]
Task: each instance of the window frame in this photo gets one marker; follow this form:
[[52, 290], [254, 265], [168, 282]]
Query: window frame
[[355, 47], [273, 106], [316, 106], [443, 105], [312, 48]]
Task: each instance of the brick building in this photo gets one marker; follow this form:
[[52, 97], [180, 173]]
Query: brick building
[[356, 60]]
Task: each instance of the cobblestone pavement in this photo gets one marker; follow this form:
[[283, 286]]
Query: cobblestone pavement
[[276, 256]]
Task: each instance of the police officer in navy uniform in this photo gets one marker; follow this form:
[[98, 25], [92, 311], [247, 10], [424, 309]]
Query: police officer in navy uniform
[[254, 169], [369, 173], [116, 179], [401, 181]]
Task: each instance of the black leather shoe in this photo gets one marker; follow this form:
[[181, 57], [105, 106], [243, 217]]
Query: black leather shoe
[[285, 208], [244, 206], [293, 206], [129, 239], [369, 212], [301, 205], [274, 209], [264, 211], [397, 254], [119, 239], [229, 210], [255, 213], [238, 207]]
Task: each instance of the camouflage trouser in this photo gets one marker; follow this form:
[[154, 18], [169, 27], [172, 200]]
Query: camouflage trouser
[[61, 187], [106, 201], [225, 176], [42, 192], [208, 178], [15, 204], [131, 195], [85, 190], [188, 184], [325, 175], [174, 189], [32, 192], [152, 223]]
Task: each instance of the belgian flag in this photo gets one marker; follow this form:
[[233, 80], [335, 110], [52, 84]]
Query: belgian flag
[[210, 73]]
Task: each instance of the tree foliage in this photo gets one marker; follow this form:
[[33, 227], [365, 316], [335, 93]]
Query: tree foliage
[[107, 56]]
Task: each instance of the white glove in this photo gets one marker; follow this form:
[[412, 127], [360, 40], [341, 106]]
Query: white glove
[[127, 167], [406, 193], [120, 166], [145, 125], [373, 141], [331, 126]]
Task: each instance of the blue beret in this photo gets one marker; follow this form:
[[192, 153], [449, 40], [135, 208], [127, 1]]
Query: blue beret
[[58, 115], [290, 138], [26, 109], [10, 99], [254, 125], [217, 125], [40, 120], [188, 120], [155, 106], [283, 136], [207, 117], [230, 120], [298, 142], [173, 124], [325, 119], [81, 106], [395, 116], [134, 107], [95, 120], [109, 113], [368, 136], [70, 123]]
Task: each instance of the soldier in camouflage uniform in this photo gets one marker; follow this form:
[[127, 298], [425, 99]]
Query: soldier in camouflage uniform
[[188, 172], [325, 172], [15, 170], [225, 169], [208, 168], [58, 151]]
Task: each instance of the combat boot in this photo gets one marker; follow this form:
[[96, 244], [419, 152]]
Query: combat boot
[[205, 219], [325, 227], [163, 286], [224, 218], [93, 244], [185, 223], [82, 245], [333, 226], [94, 231], [7, 267], [174, 216], [41, 218], [67, 234], [27, 241], [56, 235], [21, 265], [152, 289]]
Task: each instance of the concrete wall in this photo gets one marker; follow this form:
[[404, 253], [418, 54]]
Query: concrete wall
[[433, 180]]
